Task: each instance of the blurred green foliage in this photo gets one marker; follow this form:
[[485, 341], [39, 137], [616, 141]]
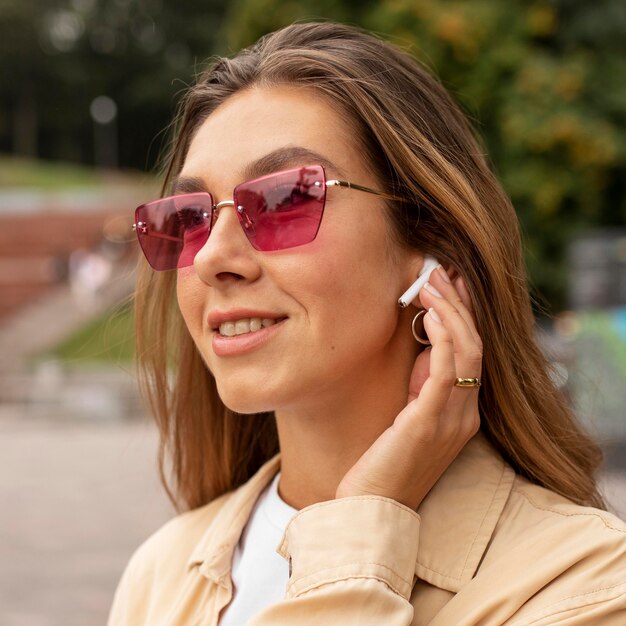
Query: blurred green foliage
[[543, 81], [19, 172], [57, 56]]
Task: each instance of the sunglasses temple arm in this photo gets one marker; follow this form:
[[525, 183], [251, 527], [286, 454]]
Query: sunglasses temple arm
[[159, 236], [347, 185]]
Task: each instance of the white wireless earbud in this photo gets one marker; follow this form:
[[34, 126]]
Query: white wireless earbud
[[430, 263]]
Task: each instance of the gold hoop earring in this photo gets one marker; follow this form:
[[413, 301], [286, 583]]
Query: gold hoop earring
[[426, 342]]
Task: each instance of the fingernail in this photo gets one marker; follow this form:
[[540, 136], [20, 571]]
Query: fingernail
[[434, 315], [443, 273], [432, 290]]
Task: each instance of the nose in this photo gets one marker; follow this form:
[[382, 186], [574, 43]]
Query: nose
[[227, 256]]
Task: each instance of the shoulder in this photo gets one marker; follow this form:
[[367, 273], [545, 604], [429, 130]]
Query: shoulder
[[561, 556], [168, 554], [544, 510], [174, 543], [159, 566], [163, 573], [553, 525]]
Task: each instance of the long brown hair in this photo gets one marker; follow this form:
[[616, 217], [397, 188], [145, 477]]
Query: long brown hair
[[422, 147]]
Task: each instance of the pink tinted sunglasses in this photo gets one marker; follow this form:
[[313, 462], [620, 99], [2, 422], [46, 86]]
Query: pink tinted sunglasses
[[278, 211]]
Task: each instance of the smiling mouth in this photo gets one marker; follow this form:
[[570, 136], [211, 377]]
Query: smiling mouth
[[246, 326]]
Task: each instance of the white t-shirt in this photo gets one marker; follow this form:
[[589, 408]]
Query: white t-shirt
[[259, 573]]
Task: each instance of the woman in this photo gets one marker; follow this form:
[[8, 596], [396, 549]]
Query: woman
[[442, 484]]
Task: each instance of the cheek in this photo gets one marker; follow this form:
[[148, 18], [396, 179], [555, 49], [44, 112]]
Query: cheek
[[358, 271], [350, 296], [189, 302]]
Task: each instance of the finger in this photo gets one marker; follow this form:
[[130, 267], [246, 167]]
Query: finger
[[430, 400], [440, 407], [419, 373], [467, 350], [464, 293], [458, 297], [460, 416], [461, 287], [467, 355]]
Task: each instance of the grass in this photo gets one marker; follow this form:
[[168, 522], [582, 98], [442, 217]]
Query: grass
[[20, 173], [107, 340]]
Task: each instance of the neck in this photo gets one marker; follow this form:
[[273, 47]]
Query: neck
[[320, 442]]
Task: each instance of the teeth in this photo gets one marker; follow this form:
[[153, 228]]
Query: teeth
[[227, 329], [241, 327]]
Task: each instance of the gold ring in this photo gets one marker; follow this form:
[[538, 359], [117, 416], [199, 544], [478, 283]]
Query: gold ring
[[467, 382]]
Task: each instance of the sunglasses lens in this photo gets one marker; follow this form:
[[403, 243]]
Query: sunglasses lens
[[278, 211], [171, 231], [282, 210]]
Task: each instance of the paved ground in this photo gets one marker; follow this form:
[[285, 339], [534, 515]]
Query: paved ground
[[77, 498]]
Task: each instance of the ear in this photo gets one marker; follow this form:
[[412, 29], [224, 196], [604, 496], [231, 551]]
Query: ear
[[451, 271], [447, 266], [413, 267], [417, 263], [413, 270]]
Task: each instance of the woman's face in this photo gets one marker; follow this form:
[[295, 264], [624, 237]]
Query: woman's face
[[343, 330]]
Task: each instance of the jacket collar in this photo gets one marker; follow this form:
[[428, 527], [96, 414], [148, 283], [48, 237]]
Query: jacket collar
[[459, 515], [458, 518], [214, 551]]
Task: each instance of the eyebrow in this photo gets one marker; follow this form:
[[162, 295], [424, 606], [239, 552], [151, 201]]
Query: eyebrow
[[275, 161]]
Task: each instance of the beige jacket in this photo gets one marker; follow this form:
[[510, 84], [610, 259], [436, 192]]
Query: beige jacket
[[486, 547]]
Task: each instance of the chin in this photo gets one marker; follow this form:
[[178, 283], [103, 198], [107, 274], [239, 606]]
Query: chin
[[245, 401]]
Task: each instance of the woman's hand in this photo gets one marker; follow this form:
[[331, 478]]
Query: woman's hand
[[409, 457]]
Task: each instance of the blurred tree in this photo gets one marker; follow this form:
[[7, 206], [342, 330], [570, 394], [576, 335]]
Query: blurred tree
[[55, 60], [542, 80], [247, 20], [21, 69]]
